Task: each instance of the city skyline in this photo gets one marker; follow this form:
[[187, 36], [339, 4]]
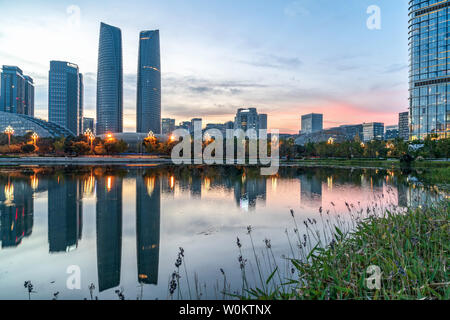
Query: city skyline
[[210, 78]]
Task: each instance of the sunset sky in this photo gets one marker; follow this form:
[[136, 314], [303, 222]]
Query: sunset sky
[[285, 58]]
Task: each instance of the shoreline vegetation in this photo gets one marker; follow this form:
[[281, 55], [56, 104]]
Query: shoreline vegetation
[[88, 150], [411, 249], [383, 252]]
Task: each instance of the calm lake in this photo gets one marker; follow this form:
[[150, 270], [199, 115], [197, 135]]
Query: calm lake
[[123, 226]]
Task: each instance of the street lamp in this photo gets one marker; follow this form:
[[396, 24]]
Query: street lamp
[[9, 131], [88, 132], [109, 137], [34, 136], [91, 138]]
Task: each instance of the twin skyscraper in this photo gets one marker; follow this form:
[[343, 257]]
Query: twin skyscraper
[[110, 82], [65, 103]]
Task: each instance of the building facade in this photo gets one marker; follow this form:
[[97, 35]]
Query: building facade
[[262, 121], [196, 123], [16, 91], [89, 123], [246, 119], [149, 83], [353, 131], [429, 74], [373, 131], [403, 125], [312, 123], [29, 96], [391, 132], [167, 125], [81, 103], [64, 95], [109, 80]]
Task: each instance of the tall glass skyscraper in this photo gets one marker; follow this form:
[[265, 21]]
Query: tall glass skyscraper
[[81, 103], [29, 96], [429, 78], [64, 92], [149, 83], [109, 81], [16, 91]]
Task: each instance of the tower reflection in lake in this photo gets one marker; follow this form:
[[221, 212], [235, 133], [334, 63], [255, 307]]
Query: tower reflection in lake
[[123, 226]]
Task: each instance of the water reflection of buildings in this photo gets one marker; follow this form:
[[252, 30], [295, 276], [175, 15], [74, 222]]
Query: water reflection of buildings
[[65, 214], [310, 191], [373, 181], [88, 185], [196, 186], [16, 211], [148, 210], [109, 231], [168, 184], [191, 184], [415, 196], [248, 190]]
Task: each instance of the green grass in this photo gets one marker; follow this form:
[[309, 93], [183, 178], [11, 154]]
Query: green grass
[[437, 175], [411, 249], [379, 163]]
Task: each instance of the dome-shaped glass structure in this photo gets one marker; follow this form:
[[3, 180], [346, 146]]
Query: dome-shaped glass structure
[[23, 124]]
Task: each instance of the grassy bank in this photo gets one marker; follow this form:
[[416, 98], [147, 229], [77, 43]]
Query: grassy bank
[[412, 251], [373, 163], [437, 175]]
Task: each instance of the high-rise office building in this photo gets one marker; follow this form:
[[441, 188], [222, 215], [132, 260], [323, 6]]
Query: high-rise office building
[[262, 121], [89, 123], [29, 96], [353, 131], [403, 125], [391, 132], [429, 74], [312, 123], [185, 125], [149, 83], [109, 81], [373, 131], [64, 95], [168, 125], [16, 91], [81, 103], [196, 122], [246, 119]]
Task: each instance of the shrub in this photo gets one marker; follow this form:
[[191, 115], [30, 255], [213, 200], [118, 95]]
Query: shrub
[[27, 148]]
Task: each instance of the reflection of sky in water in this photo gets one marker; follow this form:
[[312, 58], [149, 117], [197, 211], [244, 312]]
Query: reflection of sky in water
[[125, 228]]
